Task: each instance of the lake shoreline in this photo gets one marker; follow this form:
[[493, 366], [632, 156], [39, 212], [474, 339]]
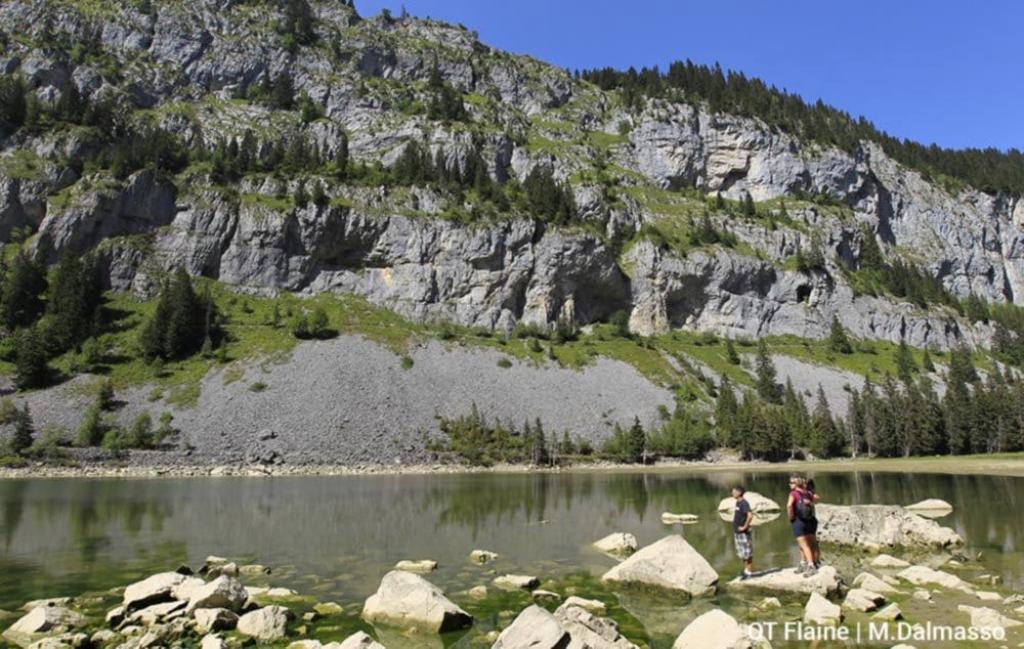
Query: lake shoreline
[[1011, 465]]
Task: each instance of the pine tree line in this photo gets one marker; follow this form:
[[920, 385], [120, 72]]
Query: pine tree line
[[989, 170]]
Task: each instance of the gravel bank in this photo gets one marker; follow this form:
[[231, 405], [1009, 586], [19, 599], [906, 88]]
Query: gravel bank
[[349, 401]]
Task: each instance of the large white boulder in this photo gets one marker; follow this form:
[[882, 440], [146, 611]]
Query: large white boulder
[[214, 619], [267, 624], [405, 599], [819, 610], [716, 629], [152, 590], [672, 564], [877, 527], [825, 582], [617, 543], [222, 592], [41, 619], [758, 503], [534, 628], [931, 508]]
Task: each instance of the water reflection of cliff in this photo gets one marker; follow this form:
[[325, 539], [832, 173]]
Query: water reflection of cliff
[[58, 535]]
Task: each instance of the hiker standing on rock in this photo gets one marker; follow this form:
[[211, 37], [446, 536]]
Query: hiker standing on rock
[[800, 508], [742, 518]]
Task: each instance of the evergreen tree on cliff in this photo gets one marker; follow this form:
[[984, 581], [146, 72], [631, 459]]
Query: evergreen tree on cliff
[[181, 322], [766, 380]]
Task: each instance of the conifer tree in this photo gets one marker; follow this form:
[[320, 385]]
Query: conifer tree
[[30, 363], [24, 431], [23, 289], [766, 381], [838, 341]]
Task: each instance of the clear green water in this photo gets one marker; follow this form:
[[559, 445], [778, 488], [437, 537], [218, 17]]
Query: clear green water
[[334, 538]]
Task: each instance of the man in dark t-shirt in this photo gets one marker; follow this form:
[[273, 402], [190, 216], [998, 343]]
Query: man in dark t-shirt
[[742, 518]]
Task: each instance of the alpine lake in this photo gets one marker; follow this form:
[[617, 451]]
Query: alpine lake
[[333, 538]]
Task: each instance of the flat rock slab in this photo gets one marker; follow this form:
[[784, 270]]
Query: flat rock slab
[[825, 582], [982, 616], [671, 564], [868, 581], [889, 561], [923, 576], [407, 600]]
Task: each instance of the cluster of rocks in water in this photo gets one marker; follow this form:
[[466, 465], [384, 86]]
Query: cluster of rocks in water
[[214, 610]]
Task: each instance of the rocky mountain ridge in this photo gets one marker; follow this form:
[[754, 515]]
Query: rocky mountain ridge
[[184, 67]]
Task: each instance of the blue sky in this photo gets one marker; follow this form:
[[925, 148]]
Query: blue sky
[[937, 71]]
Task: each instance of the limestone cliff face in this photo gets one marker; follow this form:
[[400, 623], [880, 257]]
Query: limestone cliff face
[[186, 61]]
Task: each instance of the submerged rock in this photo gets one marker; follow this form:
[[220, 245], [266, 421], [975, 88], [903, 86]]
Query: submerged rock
[[716, 629], [594, 606], [876, 527], [482, 556], [617, 543], [534, 628], [267, 624], [422, 566], [405, 599], [328, 608], [672, 564], [669, 518], [825, 582], [516, 582], [819, 610]]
